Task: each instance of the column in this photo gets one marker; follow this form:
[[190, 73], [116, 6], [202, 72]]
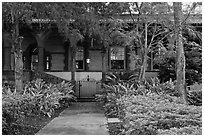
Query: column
[[6, 53], [40, 41], [40, 59], [7, 58], [103, 53]]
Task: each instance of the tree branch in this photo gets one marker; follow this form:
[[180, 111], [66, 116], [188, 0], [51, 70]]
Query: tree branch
[[152, 36], [147, 27], [131, 16], [192, 8], [163, 38]]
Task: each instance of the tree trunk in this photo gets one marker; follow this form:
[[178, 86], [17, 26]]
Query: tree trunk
[[180, 57], [16, 46], [103, 66], [18, 70], [144, 60], [73, 69]]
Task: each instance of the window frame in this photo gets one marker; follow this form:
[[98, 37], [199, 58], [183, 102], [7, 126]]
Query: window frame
[[47, 61], [124, 60], [83, 59]]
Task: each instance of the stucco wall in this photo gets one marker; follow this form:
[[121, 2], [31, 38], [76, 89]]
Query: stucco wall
[[54, 43], [57, 61], [95, 60]]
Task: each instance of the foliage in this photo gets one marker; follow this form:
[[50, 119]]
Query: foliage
[[151, 107], [37, 98], [193, 50], [150, 113], [195, 97], [188, 130], [115, 77], [48, 96]]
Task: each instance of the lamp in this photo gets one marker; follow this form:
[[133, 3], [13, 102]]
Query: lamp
[[88, 61]]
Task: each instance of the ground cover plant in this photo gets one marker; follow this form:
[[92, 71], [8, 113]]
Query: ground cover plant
[[155, 114], [151, 107], [28, 111]]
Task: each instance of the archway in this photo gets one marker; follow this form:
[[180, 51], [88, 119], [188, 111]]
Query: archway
[[34, 59], [30, 57]]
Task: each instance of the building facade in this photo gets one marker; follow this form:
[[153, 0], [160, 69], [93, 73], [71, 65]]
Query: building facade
[[46, 51]]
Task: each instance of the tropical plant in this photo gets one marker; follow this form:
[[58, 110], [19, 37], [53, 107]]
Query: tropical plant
[[50, 96], [116, 77], [153, 113], [37, 98], [195, 97]]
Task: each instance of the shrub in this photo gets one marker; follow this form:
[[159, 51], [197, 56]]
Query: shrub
[[14, 108], [151, 107], [49, 96], [113, 92], [37, 98], [193, 54], [188, 130], [195, 97], [110, 95], [115, 77], [152, 113]]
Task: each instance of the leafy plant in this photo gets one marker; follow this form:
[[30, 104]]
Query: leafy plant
[[193, 56], [50, 96], [152, 113], [188, 130], [195, 97], [37, 98], [115, 77], [150, 107]]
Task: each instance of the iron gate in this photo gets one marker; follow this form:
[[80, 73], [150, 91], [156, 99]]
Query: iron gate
[[87, 89]]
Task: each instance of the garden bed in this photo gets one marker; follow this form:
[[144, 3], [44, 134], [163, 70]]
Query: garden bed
[[28, 111], [30, 125], [152, 108]]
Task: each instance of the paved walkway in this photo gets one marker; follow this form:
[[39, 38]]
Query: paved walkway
[[82, 118]]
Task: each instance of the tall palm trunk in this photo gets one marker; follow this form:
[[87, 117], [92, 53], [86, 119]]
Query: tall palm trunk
[[180, 57]]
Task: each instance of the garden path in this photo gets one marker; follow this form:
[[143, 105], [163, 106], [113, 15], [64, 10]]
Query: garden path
[[81, 118]]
